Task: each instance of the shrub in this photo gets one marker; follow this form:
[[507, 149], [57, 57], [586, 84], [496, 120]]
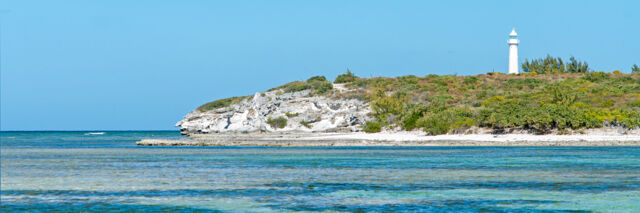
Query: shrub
[[316, 78], [635, 103], [561, 95], [481, 95], [493, 100], [471, 80], [628, 119], [411, 117], [442, 120], [305, 124], [513, 114], [441, 98], [277, 123], [608, 103], [318, 85], [635, 69], [596, 76], [321, 87], [384, 105], [372, 126], [346, 77], [434, 125], [219, 103], [407, 80], [522, 83], [297, 86], [291, 114], [623, 79], [563, 132]]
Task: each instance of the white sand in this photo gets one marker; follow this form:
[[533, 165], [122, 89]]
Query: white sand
[[601, 137]]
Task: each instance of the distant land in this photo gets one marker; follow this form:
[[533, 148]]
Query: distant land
[[551, 97]]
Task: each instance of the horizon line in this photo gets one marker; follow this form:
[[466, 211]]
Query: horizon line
[[121, 130]]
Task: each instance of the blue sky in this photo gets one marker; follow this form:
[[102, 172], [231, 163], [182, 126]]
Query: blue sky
[[142, 65]]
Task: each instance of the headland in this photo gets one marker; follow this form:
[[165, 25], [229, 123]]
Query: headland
[[493, 109]]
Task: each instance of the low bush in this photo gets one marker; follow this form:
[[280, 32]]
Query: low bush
[[597, 77], [305, 124], [346, 77], [316, 78], [411, 117], [277, 123], [471, 80], [442, 120], [321, 87], [434, 125], [372, 126], [635, 103], [317, 84], [297, 86], [385, 106]]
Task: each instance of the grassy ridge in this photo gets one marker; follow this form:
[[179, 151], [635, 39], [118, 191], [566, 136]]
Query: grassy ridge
[[220, 103]]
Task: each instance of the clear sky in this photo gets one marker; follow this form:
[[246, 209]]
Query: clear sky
[[142, 65]]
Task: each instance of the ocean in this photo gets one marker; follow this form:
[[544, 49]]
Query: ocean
[[106, 172]]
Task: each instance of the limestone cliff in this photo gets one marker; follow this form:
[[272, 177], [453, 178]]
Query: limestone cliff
[[302, 110]]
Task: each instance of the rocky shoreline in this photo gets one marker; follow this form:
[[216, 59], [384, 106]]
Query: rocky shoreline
[[394, 139], [301, 111]]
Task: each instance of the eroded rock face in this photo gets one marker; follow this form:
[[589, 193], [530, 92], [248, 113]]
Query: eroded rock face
[[305, 113]]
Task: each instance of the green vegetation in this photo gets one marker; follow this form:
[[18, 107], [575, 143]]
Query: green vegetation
[[321, 87], [536, 103], [318, 85], [346, 77], [305, 124], [316, 78], [551, 65], [220, 103], [372, 126], [277, 123], [635, 69], [292, 114]]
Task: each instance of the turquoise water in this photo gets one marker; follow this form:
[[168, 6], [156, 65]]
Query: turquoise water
[[74, 171]]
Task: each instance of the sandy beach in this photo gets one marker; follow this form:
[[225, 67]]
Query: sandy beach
[[415, 138]]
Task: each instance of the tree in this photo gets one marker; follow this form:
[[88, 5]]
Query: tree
[[346, 77], [575, 66], [635, 69], [551, 65], [548, 65]]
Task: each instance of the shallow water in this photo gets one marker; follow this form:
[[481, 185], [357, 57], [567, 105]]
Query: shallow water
[[75, 171]]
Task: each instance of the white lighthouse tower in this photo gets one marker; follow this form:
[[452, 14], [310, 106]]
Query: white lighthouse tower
[[513, 52]]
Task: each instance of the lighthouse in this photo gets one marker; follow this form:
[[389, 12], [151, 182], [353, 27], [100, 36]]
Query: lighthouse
[[513, 52]]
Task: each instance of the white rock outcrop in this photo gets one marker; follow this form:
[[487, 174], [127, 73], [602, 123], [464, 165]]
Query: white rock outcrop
[[304, 113]]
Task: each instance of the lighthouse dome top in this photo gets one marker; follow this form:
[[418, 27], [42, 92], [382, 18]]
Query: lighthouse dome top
[[513, 32]]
